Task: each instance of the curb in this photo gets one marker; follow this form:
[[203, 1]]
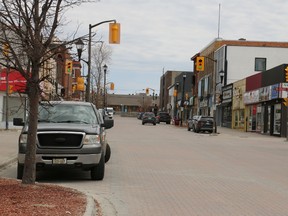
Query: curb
[[90, 207], [8, 162]]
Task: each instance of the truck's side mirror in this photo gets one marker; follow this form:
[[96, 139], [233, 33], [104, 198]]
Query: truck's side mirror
[[18, 122], [108, 123]]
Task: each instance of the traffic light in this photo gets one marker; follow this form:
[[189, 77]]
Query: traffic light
[[286, 74], [5, 50], [74, 88], [147, 91], [285, 102], [62, 92], [68, 68], [114, 33], [10, 89], [80, 84], [111, 86], [175, 93], [200, 61]]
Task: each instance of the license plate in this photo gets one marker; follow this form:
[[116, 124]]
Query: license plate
[[59, 161]]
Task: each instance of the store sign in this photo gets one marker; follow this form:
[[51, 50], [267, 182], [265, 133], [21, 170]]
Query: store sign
[[227, 94], [275, 91], [265, 93], [16, 82], [283, 90], [251, 97]]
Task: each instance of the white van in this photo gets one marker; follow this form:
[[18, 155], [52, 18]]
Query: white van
[[110, 112]]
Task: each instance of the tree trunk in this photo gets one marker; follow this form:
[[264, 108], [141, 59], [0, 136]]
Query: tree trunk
[[29, 174]]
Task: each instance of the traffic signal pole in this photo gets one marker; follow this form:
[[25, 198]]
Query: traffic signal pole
[[87, 94]]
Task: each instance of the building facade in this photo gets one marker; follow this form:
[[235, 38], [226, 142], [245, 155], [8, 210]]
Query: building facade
[[235, 60]]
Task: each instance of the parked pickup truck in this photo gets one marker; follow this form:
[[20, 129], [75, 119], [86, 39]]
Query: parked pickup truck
[[70, 134]]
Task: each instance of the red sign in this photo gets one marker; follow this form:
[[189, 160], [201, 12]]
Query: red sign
[[15, 80]]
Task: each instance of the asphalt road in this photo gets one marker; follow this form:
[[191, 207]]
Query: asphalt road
[[166, 170]]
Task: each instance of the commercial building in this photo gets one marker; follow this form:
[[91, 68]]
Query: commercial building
[[226, 62]]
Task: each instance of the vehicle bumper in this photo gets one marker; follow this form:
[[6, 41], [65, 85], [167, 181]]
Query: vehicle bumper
[[46, 160]]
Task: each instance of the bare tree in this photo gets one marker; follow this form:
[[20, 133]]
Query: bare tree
[[27, 29], [101, 54]]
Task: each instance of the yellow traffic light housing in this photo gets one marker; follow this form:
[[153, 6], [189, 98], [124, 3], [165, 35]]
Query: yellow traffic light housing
[[200, 62], [6, 49], [147, 91], [80, 84], [111, 86], [10, 89], [68, 66], [285, 102], [175, 93], [114, 33], [286, 74]]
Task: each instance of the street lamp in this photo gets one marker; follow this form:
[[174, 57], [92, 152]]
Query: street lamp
[[105, 71], [175, 95], [79, 46], [182, 99], [222, 75]]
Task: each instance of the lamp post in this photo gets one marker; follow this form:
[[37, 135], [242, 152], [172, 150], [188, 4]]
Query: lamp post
[[221, 75], [175, 95], [79, 46], [105, 71], [182, 99]]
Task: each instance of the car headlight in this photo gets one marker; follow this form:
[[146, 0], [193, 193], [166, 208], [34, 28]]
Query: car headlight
[[23, 139], [91, 139]]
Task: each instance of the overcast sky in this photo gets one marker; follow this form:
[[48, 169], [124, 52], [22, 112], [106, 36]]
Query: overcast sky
[[161, 35]]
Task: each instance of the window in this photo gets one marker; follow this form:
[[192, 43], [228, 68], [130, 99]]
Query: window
[[260, 64]]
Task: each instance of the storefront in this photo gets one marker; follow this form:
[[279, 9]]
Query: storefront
[[226, 106], [265, 111], [238, 108]]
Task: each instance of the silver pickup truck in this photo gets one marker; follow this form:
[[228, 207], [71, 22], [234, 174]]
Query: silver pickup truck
[[70, 134]]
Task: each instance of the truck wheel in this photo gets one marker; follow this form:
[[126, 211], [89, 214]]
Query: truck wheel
[[108, 153], [20, 170], [97, 172]]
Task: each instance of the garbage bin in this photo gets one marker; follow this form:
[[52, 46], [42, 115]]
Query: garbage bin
[[176, 121]]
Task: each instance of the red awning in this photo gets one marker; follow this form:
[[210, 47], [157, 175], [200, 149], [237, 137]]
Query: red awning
[[16, 81]]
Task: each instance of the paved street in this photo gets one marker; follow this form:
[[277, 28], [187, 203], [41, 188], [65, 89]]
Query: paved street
[[166, 170]]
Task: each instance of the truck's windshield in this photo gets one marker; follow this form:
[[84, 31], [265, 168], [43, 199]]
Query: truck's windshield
[[61, 113]]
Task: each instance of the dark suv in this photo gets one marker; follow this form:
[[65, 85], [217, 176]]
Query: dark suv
[[70, 134], [201, 123], [163, 117]]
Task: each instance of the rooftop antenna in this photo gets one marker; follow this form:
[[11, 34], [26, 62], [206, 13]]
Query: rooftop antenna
[[219, 20]]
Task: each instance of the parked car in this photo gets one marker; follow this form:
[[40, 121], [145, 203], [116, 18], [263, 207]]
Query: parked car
[[190, 123], [69, 134], [110, 111], [149, 117], [202, 123], [139, 115], [163, 117], [104, 113]]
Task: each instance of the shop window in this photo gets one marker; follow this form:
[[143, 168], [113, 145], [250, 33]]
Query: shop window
[[242, 118], [277, 119]]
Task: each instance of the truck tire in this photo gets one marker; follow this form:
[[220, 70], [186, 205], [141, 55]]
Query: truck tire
[[108, 153], [20, 170], [97, 172]]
